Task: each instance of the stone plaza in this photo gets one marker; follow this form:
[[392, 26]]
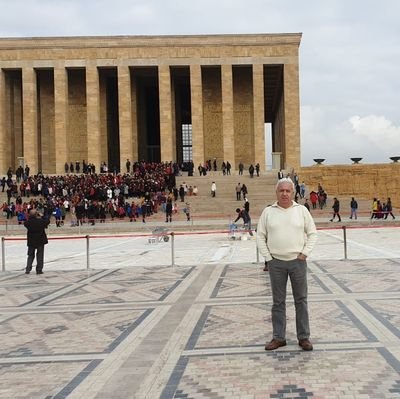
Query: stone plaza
[[129, 328]]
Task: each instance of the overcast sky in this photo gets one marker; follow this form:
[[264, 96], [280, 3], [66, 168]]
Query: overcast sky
[[349, 55]]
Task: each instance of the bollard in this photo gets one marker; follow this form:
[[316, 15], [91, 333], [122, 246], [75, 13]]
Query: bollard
[[87, 252], [345, 242], [172, 249], [3, 255], [257, 255], [6, 227]]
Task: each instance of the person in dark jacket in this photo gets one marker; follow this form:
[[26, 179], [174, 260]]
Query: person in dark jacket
[[242, 214], [336, 208], [37, 239]]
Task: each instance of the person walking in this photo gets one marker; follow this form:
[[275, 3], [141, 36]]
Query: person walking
[[353, 208], [213, 189], [238, 189], [336, 208], [241, 167], [182, 193], [251, 170], [389, 209], [246, 205], [286, 235], [228, 168], [168, 210], [37, 239], [186, 211], [244, 190]]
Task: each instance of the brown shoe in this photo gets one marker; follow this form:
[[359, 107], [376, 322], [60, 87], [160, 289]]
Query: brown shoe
[[274, 344], [305, 344], [265, 268]]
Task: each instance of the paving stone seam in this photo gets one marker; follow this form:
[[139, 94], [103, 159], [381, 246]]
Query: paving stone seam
[[382, 333], [73, 287], [52, 358], [90, 390], [115, 360], [161, 370], [291, 346], [83, 308], [188, 298], [205, 293], [186, 282]]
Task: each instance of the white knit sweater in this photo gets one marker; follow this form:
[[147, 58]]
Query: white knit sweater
[[285, 233]]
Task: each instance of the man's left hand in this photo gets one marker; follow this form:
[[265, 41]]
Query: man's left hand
[[301, 256]]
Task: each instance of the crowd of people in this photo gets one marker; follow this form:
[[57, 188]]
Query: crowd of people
[[138, 193], [91, 196]]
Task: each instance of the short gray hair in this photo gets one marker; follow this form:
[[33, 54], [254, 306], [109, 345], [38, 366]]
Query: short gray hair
[[284, 180]]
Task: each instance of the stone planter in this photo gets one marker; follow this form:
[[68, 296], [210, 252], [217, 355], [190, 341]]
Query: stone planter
[[319, 160], [395, 159], [356, 160]]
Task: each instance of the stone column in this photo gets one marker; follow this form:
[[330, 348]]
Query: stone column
[[291, 117], [134, 120], [227, 114], [4, 154], [167, 137], [93, 116], [196, 97], [29, 121], [125, 116], [60, 117], [258, 110]]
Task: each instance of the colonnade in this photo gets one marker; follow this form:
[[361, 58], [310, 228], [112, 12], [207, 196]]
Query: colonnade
[[109, 110]]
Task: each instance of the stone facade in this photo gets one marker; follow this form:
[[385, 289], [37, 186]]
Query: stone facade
[[359, 180], [106, 99]]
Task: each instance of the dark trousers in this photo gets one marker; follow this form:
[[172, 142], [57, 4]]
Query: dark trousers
[[279, 272], [39, 258]]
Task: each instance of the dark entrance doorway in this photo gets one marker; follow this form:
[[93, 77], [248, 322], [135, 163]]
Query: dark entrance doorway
[[183, 113], [110, 81], [148, 113]]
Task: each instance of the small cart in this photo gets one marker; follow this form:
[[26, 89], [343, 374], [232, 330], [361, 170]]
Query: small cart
[[159, 234]]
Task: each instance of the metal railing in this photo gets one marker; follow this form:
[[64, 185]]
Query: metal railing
[[171, 241]]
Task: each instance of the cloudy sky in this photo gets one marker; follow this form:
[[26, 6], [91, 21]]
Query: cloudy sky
[[349, 55]]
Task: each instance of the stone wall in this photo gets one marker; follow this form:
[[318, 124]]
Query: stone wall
[[364, 181]]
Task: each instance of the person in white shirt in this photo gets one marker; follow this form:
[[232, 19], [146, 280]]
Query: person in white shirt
[[286, 235], [213, 189]]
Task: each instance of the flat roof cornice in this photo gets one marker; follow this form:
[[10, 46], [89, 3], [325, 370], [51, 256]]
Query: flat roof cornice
[[258, 39]]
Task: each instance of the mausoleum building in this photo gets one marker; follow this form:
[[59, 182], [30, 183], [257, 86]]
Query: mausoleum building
[[153, 98]]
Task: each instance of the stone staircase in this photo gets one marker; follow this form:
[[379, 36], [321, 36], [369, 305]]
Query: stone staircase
[[261, 192]]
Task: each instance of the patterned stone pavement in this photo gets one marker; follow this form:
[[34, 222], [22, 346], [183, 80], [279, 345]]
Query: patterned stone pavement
[[198, 332]]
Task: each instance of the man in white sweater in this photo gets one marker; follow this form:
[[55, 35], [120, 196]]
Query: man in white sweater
[[286, 235]]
